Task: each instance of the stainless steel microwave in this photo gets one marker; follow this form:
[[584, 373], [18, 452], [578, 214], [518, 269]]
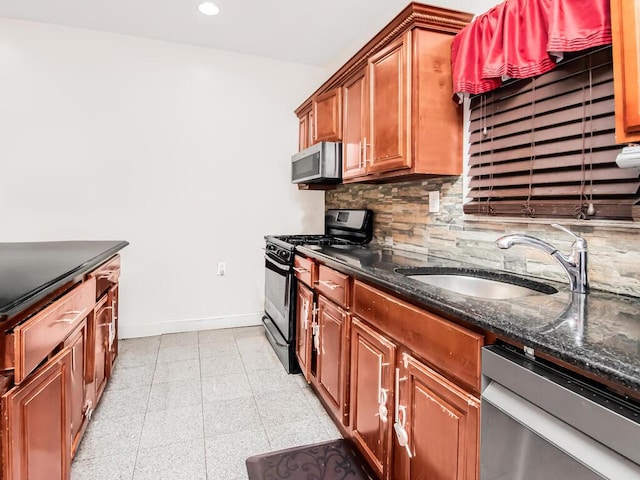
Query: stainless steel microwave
[[320, 163]]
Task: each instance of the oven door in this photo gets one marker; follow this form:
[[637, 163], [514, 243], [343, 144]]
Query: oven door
[[277, 297]]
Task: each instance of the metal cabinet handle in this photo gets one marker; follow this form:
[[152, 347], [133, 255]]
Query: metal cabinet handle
[[366, 145], [305, 313], [78, 314], [316, 336], [88, 410], [107, 273], [383, 411], [401, 417], [300, 269], [329, 284]]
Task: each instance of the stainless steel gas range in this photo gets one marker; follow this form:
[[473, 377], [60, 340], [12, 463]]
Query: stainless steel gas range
[[342, 227]]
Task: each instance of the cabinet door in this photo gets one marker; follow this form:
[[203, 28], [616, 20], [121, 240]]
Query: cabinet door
[[304, 307], [77, 344], [355, 104], [332, 357], [442, 423], [112, 331], [36, 437], [371, 399], [389, 108], [101, 347], [327, 117], [304, 130], [625, 23]]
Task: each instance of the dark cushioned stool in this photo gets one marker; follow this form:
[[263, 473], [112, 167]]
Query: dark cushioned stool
[[335, 460]]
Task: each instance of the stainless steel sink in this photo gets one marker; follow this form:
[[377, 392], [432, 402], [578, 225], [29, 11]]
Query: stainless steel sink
[[479, 284]]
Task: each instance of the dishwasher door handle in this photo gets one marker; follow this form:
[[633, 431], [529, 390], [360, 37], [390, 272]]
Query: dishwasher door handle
[[584, 449]]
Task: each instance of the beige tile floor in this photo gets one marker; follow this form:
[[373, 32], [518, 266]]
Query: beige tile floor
[[191, 406]]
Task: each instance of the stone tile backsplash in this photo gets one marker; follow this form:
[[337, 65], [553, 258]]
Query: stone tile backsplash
[[402, 220]]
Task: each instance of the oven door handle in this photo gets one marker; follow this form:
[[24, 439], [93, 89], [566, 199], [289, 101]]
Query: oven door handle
[[282, 267], [266, 329]]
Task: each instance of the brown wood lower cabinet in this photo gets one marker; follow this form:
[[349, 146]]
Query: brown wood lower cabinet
[[100, 347], [58, 358], [383, 368], [36, 439], [113, 330], [332, 357], [371, 400], [442, 425], [79, 413], [304, 319]]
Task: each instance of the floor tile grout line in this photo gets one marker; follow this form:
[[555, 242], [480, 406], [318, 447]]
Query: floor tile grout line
[[204, 436], [247, 362], [135, 463], [255, 401]]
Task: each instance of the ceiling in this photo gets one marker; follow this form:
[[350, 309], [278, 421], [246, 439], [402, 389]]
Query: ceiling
[[314, 32]]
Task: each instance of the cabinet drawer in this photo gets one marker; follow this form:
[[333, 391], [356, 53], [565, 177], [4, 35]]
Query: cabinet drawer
[[38, 336], [305, 270], [106, 275], [334, 285], [447, 347]]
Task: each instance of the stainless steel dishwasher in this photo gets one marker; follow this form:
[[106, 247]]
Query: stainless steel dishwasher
[[539, 422]]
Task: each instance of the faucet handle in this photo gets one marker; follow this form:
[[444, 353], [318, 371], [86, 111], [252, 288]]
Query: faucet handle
[[579, 241]]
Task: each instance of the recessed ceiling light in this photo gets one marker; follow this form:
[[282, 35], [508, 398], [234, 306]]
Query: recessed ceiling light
[[208, 8]]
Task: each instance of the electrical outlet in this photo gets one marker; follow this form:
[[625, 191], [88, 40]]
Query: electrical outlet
[[222, 268], [434, 202]]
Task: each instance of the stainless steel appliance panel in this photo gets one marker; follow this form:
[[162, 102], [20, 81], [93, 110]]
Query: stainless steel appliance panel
[[534, 419], [320, 163], [277, 299]]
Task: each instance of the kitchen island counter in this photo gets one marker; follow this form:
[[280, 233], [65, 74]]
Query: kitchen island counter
[[31, 271], [598, 333]]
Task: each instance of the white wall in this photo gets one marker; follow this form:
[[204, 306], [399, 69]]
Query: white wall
[[182, 151]]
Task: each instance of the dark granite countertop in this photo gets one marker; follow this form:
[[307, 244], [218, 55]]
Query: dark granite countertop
[[31, 271], [598, 333]]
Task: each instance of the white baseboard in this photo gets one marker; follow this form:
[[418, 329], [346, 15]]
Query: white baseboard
[[189, 325]]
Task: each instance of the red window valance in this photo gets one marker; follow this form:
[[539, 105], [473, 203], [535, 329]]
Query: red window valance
[[525, 38]]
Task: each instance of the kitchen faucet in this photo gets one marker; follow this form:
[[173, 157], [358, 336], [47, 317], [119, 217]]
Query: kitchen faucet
[[575, 265]]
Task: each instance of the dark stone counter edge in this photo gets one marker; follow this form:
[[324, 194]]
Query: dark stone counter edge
[[438, 306], [45, 289]]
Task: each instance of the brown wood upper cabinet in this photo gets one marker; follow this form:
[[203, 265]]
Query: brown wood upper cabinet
[[354, 126], [327, 117], [388, 145], [625, 16], [411, 125], [305, 121], [398, 117]]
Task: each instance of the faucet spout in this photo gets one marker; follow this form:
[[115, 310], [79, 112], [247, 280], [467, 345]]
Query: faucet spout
[[509, 241], [574, 265]]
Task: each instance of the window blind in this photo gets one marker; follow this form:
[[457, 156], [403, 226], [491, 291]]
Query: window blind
[[545, 146]]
